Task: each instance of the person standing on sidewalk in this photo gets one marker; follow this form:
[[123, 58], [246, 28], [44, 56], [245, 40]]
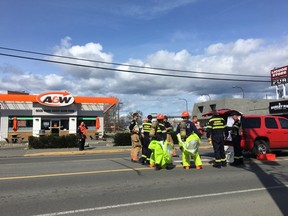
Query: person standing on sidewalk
[[217, 131], [135, 139], [82, 133]]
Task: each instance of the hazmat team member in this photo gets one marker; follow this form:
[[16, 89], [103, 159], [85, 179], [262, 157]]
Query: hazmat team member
[[217, 131], [146, 152], [169, 139], [189, 140], [135, 139], [236, 139], [161, 156]]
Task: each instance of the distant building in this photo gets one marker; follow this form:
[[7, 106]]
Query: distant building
[[246, 106]]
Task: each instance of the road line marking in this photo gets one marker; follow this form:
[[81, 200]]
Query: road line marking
[[80, 173], [162, 200]]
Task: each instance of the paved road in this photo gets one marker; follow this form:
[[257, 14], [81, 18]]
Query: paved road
[[109, 184]]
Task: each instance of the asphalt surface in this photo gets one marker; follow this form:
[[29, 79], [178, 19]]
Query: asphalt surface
[[107, 183], [91, 147]]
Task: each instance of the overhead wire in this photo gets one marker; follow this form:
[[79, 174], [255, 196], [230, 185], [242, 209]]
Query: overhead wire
[[133, 66]]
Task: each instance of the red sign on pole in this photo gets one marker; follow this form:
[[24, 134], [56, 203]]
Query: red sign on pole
[[279, 75]]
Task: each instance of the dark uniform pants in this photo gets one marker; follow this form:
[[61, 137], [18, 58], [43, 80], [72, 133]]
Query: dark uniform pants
[[146, 152], [219, 152], [81, 143], [237, 149]]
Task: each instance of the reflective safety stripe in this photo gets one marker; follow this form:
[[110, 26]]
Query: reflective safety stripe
[[218, 161], [219, 127], [216, 119], [147, 126], [223, 160], [238, 157]]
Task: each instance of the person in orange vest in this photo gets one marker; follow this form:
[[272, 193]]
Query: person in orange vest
[[197, 124], [135, 139], [82, 133]]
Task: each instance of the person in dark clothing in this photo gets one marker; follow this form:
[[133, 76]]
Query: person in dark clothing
[[236, 139], [82, 133], [146, 152], [217, 131]]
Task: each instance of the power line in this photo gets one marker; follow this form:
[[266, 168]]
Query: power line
[[129, 65], [131, 71]]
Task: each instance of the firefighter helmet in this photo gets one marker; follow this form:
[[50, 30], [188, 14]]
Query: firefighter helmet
[[160, 117], [185, 114]]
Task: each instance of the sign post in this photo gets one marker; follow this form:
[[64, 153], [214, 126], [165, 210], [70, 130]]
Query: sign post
[[279, 77]]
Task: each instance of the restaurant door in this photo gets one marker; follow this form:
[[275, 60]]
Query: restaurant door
[[55, 127]]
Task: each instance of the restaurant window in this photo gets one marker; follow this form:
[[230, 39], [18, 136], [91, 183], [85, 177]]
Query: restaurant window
[[64, 124], [45, 125], [23, 123]]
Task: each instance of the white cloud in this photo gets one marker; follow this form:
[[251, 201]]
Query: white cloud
[[251, 56]]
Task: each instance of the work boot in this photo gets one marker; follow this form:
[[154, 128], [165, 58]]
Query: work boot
[[152, 165], [235, 163], [217, 165], [170, 166], [224, 164], [241, 161], [158, 167], [142, 160], [199, 167], [186, 167]]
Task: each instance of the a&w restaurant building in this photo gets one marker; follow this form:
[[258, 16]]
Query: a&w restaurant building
[[58, 113]]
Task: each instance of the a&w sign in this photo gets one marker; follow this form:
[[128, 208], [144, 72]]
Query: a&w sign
[[55, 99]]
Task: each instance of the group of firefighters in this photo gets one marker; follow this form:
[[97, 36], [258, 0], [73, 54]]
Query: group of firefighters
[[156, 143]]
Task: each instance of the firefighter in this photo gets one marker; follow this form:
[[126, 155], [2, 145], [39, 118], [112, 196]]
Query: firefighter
[[217, 131], [169, 139], [146, 152], [135, 139], [161, 156], [189, 140], [236, 139]]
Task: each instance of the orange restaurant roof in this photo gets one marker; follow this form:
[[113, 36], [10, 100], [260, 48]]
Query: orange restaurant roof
[[77, 99]]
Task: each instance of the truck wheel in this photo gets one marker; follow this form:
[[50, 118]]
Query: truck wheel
[[260, 147]]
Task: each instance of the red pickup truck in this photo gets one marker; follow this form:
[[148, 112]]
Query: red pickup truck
[[260, 133]]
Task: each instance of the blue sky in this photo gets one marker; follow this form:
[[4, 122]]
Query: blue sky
[[219, 36]]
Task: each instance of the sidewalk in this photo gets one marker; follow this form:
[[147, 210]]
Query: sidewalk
[[94, 147]]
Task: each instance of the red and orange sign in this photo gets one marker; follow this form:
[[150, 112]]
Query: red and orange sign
[[57, 98]]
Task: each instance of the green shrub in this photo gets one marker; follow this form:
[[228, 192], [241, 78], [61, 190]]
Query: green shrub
[[68, 141], [122, 139]]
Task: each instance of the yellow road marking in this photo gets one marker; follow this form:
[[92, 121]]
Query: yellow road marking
[[79, 173], [63, 153]]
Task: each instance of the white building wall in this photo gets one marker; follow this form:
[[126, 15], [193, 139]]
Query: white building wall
[[36, 126], [3, 128], [72, 125]]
